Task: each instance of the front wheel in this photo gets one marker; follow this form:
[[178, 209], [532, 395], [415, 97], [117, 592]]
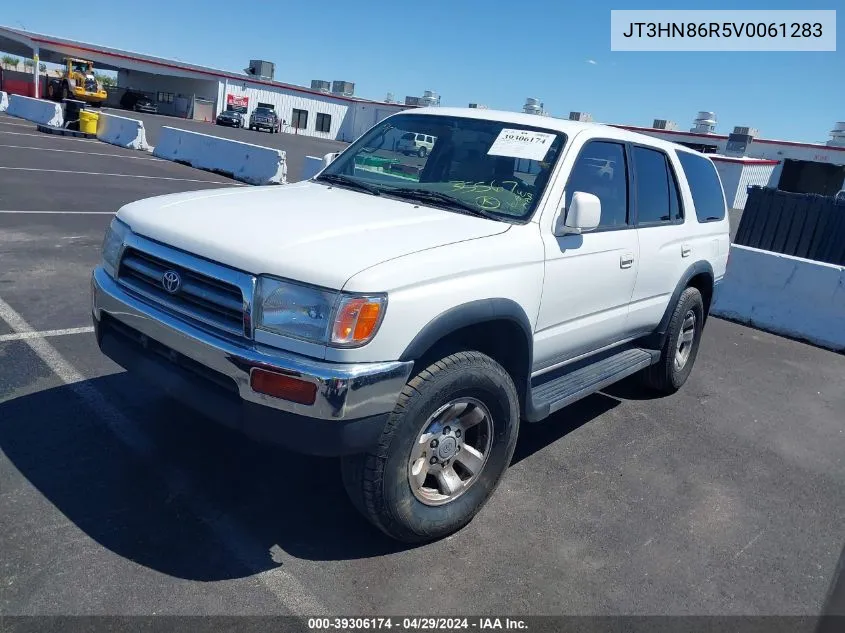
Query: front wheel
[[681, 347], [442, 453]]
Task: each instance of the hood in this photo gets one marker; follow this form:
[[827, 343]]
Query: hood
[[307, 231]]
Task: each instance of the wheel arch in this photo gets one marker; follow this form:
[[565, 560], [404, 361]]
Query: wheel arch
[[497, 327], [699, 275]]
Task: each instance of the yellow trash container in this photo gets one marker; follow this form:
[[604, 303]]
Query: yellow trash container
[[88, 121]]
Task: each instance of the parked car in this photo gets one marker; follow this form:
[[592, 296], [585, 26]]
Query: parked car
[[410, 324], [138, 102], [263, 118], [230, 118], [419, 144]]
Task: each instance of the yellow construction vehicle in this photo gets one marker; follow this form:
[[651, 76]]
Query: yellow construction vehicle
[[76, 81]]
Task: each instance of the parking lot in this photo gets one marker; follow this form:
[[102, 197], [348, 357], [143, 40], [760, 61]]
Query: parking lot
[[296, 146], [726, 498]]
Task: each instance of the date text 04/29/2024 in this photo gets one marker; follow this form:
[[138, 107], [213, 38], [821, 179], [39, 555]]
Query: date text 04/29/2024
[[416, 624]]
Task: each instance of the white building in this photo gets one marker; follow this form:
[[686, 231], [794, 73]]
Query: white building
[[743, 159], [201, 92]]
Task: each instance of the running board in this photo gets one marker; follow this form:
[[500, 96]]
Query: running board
[[555, 394]]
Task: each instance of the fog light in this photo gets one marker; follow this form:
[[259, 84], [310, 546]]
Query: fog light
[[281, 386]]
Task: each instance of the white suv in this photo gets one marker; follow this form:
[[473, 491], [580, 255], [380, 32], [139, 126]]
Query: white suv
[[419, 144], [409, 319]]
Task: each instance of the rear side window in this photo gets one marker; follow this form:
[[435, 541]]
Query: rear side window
[[705, 186], [658, 201]]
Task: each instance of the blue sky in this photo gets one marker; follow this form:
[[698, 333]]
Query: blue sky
[[491, 52]]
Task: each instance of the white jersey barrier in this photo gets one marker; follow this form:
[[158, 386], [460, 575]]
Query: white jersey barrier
[[4, 102], [36, 110], [122, 131], [786, 295], [254, 164]]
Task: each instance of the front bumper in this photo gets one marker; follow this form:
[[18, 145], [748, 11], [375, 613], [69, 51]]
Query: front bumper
[[211, 373]]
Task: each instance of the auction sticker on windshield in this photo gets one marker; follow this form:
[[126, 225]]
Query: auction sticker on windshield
[[521, 144]]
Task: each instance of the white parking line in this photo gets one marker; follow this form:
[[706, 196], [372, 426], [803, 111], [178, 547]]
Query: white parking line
[[29, 125], [11, 212], [287, 589], [99, 173], [53, 136], [22, 336], [76, 151]]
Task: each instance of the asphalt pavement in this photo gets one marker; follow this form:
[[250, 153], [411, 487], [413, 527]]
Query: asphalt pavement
[[296, 146], [726, 498]]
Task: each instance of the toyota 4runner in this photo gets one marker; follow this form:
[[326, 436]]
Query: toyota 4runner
[[408, 317]]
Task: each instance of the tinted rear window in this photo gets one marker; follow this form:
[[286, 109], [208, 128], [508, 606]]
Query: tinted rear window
[[705, 186]]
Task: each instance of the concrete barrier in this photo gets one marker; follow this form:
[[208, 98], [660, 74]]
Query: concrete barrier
[[313, 166], [122, 131], [36, 110], [786, 295], [4, 102], [254, 164]]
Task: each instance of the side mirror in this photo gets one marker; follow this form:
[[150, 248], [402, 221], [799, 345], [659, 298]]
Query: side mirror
[[328, 158], [583, 215]]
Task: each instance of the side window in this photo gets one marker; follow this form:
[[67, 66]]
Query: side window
[[652, 187], [600, 169], [705, 186]]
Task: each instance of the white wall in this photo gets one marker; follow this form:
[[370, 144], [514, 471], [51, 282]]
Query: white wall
[[759, 148], [349, 119], [737, 177], [752, 175]]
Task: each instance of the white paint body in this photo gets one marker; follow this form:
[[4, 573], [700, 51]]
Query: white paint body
[[122, 131], [574, 290], [4, 102], [786, 295], [254, 164], [36, 110]]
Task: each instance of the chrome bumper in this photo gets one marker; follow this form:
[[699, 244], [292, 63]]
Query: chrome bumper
[[344, 391]]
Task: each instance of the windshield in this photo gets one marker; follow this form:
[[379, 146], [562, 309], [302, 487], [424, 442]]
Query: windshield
[[498, 169], [263, 111]]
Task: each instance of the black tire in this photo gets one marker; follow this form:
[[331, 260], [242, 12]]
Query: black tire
[[421, 152], [65, 92], [378, 482], [665, 376]]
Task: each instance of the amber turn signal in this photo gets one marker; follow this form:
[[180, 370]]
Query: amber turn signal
[[282, 386], [357, 320]]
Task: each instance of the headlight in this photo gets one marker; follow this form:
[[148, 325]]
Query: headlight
[[317, 315], [112, 243]]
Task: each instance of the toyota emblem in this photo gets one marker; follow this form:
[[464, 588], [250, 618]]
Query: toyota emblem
[[171, 281]]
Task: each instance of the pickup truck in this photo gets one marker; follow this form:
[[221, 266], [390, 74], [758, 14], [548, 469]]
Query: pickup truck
[[408, 315]]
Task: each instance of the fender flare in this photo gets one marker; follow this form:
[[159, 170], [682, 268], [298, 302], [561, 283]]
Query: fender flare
[[464, 315], [475, 313], [697, 268]]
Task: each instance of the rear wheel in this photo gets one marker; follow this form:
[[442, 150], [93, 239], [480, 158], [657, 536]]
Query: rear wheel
[[442, 453], [65, 92], [422, 152], [681, 347]]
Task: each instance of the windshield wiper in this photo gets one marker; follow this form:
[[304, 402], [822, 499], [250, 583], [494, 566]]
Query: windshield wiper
[[424, 195], [347, 181]]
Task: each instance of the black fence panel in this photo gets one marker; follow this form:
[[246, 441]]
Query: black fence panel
[[804, 225]]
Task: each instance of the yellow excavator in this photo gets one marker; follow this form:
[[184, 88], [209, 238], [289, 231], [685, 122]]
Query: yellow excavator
[[77, 81]]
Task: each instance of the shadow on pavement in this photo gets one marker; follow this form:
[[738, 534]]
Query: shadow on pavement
[[283, 504]]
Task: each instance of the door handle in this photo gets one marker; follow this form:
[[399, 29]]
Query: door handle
[[685, 250], [626, 260]]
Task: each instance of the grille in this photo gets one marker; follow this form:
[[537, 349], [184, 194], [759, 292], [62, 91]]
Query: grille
[[200, 297]]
